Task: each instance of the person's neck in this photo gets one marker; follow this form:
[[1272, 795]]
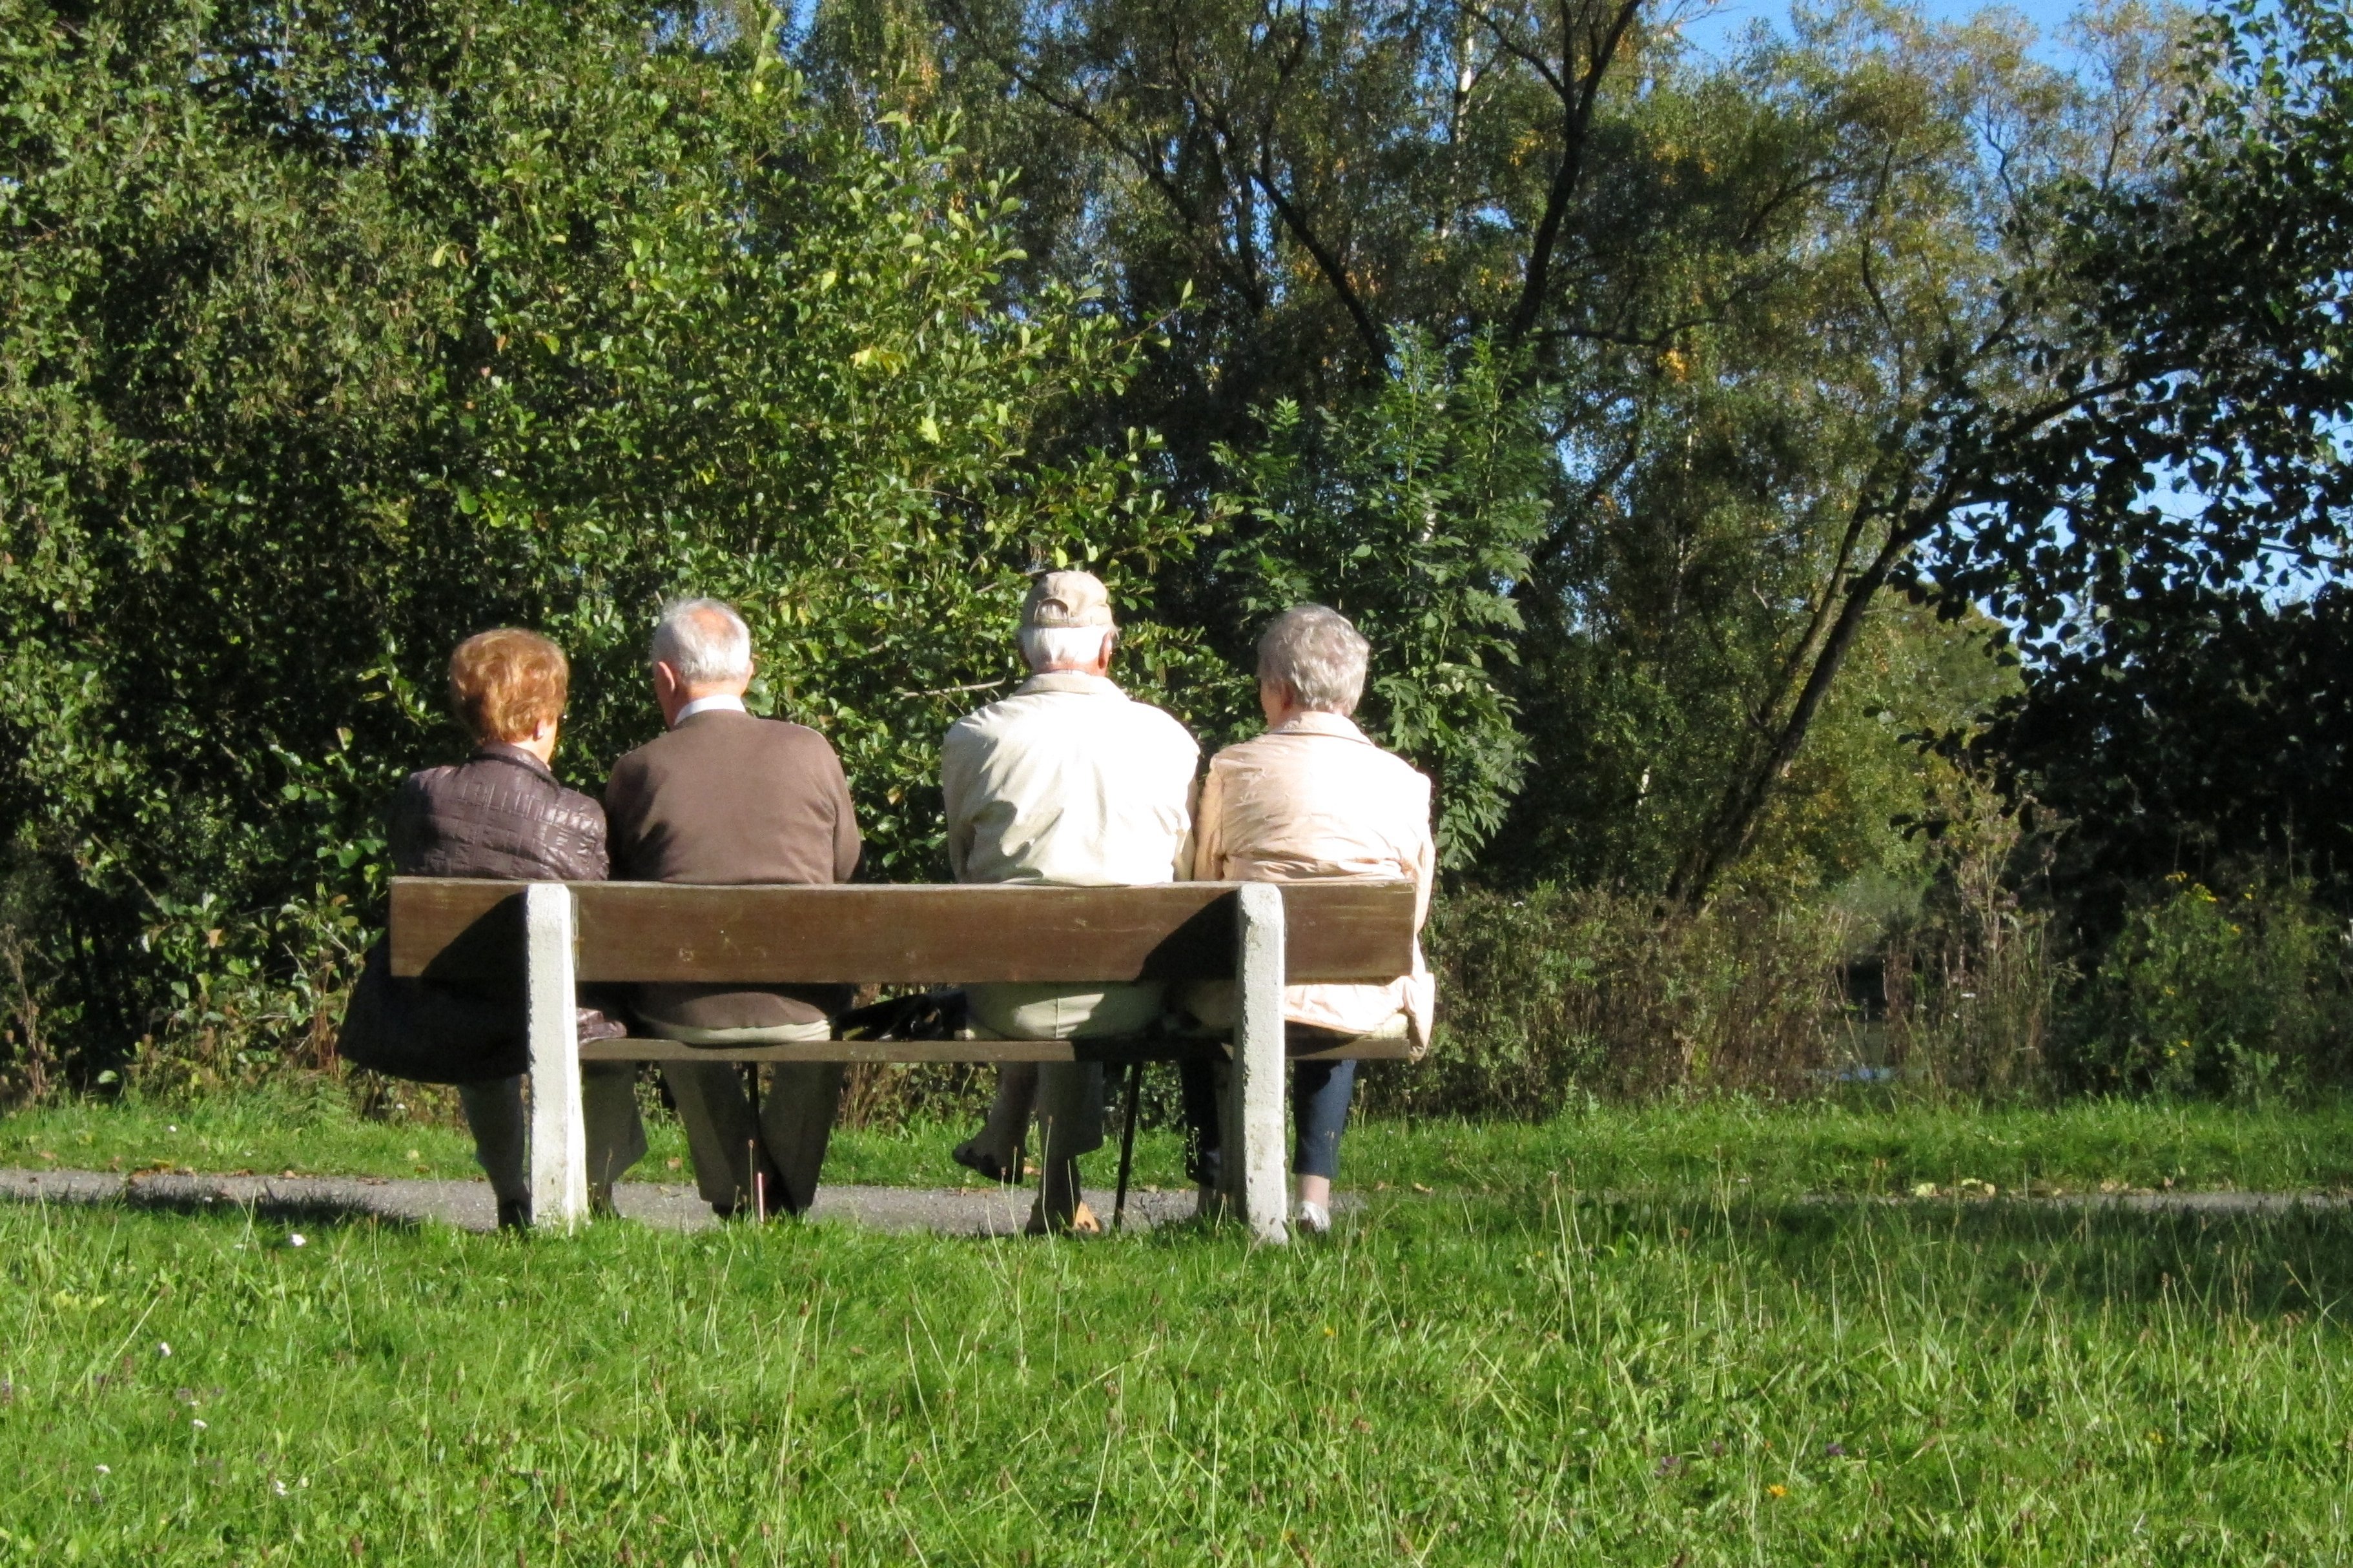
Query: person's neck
[[541, 749]]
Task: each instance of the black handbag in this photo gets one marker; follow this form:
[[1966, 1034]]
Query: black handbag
[[429, 1032], [927, 1015]]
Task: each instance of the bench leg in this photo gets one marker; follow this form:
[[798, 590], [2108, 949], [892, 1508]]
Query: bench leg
[[559, 1142], [1253, 1164]]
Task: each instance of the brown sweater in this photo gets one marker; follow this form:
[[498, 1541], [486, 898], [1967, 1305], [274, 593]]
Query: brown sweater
[[726, 798]]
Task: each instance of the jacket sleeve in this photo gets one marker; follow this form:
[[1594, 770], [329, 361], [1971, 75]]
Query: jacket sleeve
[[1422, 865], [955, 786], [1187, 855], [404, 826], [582, 855], [623, 808], [1209, 830], [847, 846]]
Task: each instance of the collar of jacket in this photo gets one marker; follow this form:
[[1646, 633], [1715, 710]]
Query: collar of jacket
[[710, 715], [1338, 726], [717, 702], [1072, 680], [500, 752]]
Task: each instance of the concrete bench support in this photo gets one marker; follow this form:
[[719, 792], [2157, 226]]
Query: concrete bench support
[[1253, 1168], [559, 1145]]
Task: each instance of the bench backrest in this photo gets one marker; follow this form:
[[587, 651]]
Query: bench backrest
[[903, 934]]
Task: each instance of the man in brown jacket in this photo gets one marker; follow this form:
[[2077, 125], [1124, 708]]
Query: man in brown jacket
[[725, 797]]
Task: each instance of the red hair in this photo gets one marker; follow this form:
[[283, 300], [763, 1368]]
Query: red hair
[[504, 684]]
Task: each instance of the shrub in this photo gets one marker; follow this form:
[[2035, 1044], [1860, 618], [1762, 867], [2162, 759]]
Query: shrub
[[2235, 993], [1556, 994]]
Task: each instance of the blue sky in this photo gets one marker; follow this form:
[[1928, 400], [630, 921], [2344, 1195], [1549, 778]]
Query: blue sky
[[1715, 27]]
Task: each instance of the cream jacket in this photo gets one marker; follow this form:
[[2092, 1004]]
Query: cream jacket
[[1312, 799], [1069, 782]]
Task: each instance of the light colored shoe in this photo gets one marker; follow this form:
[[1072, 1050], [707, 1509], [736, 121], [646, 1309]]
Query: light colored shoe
[[1314, 1219], [1083, 1221]]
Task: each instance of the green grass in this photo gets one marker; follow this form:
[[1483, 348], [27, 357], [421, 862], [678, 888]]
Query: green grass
[[1770, 1149], [1700, 1379]]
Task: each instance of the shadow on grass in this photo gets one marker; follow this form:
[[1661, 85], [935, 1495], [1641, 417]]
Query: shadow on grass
[[2279, 1262], [317, 1213], [341, 1203]]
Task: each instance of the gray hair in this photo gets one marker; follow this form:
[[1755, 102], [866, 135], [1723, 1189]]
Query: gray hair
[[704, 640], [1063, 645], [1315, 652]]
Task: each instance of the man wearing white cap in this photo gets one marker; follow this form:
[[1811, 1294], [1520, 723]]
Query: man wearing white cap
[[1068, 782]]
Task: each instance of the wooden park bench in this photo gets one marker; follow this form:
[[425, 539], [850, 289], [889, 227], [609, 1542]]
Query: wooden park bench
[[1261, 935]]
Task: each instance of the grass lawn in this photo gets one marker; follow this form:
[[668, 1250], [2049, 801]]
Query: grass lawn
[[1704, 1373], [1820, 1146]]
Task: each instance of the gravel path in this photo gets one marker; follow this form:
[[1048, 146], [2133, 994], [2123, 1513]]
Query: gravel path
[[991, 1211]]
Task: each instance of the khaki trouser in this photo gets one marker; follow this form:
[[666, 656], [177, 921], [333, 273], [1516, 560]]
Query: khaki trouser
[[1066, 1096], [788, 1136], [608, 1104]]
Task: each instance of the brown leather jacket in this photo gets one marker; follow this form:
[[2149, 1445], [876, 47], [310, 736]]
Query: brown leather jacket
[[500, 814], [497, 814]]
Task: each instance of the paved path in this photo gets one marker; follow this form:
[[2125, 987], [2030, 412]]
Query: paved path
[[989, 1211], [968, 1211]]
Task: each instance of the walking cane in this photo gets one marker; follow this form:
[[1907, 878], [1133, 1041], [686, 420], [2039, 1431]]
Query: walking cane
[[752, 1156], [1127, 1143]]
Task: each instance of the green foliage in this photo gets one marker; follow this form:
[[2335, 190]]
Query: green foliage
[[1612, 387], [1746, 281], [2241, 993], [326, 342], [2171, 553], [1412, 514], [1552, 998]]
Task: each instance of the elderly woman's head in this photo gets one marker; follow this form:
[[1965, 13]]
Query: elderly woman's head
[[1311, 659], [509, 686]]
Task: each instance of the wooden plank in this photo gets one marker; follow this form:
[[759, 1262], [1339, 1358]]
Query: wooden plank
[[884, 1051], [903, 934], [1122, 1050], [1398, 1050]]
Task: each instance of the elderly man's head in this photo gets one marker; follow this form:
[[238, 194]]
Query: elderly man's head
[[1309, 660], [1066, 624], [701, 648]]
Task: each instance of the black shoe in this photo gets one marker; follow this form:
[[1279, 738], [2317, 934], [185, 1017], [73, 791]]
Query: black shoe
[[515, 1214], [984, 1164]]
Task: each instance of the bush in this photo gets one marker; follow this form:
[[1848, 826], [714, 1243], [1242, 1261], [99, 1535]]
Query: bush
[[2212, 994], [1557, 994]]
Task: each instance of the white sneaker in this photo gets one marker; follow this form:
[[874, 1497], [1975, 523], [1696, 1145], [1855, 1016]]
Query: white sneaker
[[1314, 1219]]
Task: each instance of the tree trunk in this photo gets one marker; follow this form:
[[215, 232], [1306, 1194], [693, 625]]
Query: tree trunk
[[1733, 827]]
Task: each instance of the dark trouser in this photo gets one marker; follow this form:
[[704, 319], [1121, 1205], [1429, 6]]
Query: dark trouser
[[788, 1136], [1319, 1114]]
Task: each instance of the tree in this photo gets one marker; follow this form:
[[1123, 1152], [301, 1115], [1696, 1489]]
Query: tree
[[329, 337], [1412, 515], [1743, 303], [2171, 551]]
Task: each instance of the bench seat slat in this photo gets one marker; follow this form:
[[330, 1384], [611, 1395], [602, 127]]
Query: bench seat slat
[[901, 934], [636, 1051]]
